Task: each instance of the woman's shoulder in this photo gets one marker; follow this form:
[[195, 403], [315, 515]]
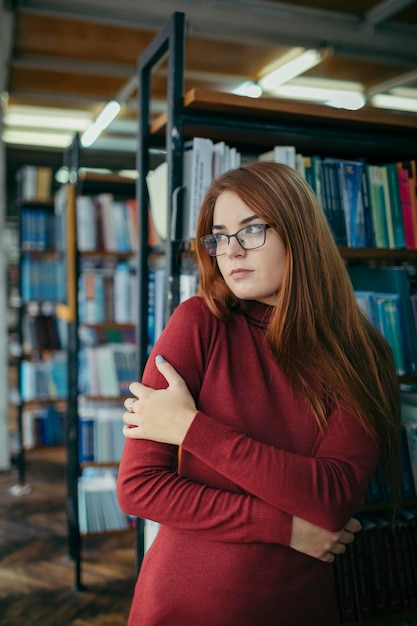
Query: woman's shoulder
[[192, 307], [195, 313]]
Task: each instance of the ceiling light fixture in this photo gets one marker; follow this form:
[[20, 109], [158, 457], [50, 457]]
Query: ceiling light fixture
[[22, 116], [289, 66], [391, 101], [249, 89], [339, 98], [103, 120], [32, 138]]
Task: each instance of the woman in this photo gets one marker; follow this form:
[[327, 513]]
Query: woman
[[281, 397]]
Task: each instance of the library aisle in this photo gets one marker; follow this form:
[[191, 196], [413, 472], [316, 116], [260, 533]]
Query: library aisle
[[36, 574]]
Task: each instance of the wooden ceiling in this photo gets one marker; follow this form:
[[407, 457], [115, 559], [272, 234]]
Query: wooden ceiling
[[80, 54]]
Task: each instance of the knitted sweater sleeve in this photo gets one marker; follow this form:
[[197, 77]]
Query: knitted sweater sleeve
[[324, 488], [148, 484]]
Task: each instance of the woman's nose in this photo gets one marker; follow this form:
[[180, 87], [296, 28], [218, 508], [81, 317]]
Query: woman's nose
[[234, 248]]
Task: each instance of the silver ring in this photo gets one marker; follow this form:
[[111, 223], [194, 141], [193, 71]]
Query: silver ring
[[132, 402]]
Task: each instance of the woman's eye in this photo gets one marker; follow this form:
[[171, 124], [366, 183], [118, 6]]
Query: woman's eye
[[251, 230]]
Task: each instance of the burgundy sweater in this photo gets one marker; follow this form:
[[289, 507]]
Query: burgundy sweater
[[252, 458]]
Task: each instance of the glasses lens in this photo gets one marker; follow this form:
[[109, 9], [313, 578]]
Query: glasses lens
[[252, 236], [210, 244]]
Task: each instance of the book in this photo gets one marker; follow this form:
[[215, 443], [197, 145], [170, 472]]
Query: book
[[407, 209], [377, 206], [312, 166], [389, 323], [344, 576], [34, 183], [198, 174], [280, 154], [375, 565], [383, 311], [410, 167], [392, 280], [386, 562], [98, 509], [86, 223], [362, 572], [409, 428], [157, 185], [394, 215]]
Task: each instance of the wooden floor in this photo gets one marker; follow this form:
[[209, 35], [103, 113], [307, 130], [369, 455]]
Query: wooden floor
[[37, 577]]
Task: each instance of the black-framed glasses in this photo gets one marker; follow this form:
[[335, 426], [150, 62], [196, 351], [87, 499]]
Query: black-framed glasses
[[249, 238]]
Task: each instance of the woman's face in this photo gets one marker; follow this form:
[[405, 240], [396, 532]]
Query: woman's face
[[250, 274]]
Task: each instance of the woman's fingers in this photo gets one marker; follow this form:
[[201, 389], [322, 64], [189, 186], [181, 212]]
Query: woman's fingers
[[353, 525]]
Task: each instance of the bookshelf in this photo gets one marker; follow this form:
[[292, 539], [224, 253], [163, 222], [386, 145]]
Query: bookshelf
[[38, 345], [254, 126], [98, 215], [11, 247]]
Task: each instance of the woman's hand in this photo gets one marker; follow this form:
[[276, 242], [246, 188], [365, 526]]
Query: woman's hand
[[162, 415], [320, 543]]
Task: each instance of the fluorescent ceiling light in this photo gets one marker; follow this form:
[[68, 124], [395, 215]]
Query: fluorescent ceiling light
[[405, 92], [249, 88], [103, 120], [339, 98], [33, 138], [399, 103], [296, 62], [45, 117], [134, 174]]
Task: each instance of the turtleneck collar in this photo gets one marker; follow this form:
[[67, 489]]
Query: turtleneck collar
[[258, 313]]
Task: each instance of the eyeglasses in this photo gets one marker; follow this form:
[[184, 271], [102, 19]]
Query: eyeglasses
[[249, 238]]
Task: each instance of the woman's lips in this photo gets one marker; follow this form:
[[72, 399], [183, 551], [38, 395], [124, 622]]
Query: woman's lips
[[240, 272]]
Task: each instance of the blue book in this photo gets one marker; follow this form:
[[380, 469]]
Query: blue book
[[392, 280], [86, 439], [389, 322]]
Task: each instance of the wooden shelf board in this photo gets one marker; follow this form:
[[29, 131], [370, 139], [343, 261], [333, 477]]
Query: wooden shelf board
[[271, 108]]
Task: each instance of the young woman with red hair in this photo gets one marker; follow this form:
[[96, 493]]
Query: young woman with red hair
[[282, 398]]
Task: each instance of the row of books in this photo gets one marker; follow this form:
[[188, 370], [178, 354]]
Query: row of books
[[38, 229], [100, 436], [34, 183], [377, 575], [107, 293], [156, 303], [44, 380], [104, 223], [43, 426], [95, 335], [384, 295], [384, 311], [98, 509], [43, 332], [42, 279], [107, 370], [203, 161], [367, 205], [188, 285]]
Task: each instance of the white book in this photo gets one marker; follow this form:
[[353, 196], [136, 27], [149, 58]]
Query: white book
[[151, 529], [29, 182], [122, 294], [157, 182], [280, 154], [86, 224], [198, 175], [107, 372]]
